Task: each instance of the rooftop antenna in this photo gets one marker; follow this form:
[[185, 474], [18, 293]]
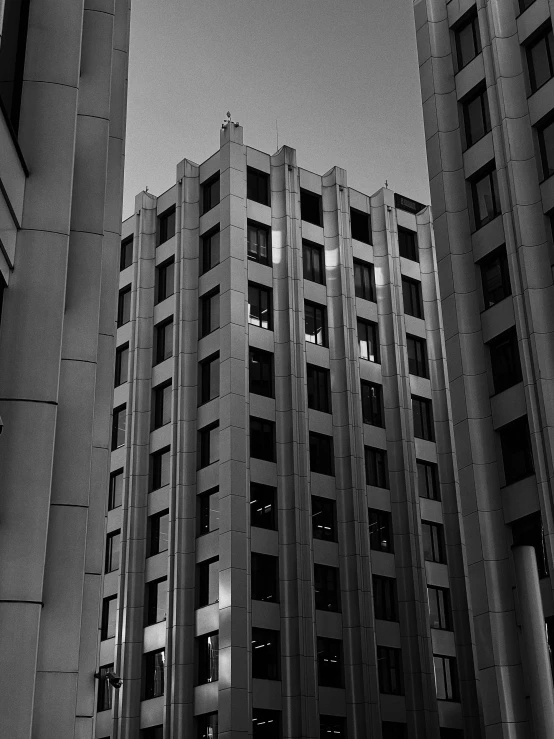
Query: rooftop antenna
[[277, 132], [386, 183]]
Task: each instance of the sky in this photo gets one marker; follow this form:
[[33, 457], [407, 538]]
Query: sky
[[339, 77]]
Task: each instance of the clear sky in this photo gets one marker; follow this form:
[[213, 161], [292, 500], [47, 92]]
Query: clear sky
[[339, 76]]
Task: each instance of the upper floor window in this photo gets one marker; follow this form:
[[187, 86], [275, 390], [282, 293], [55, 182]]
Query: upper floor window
[[324, 518], [332, 727], [540, 58], [119, 423], [407, 244], [376, 469], [380, 530], [372, 403], [12, 57], [209, 312], [485, 197], [266, 724], [165, 280], [417, 356], [104, 699], [315, 319], [360, 225], [109, 613], [517, 453], [206, 726], [368, 340], [209, 378], [505, 362], [208, 445], [155, 606], [319, 391], [159, 469], [433, 542], [327, 588], [258, 243], [210, 193], [126, 253], [163, 341], [329, 662], [166, 225], [428, 480], [524, 4], [161, 402], [257, 186], [266, 659], [313, 261], [157, 535], [529, 531], [468, 40], [321, 454], [413, 301], [260, 308], [207, 647], [153, 678], [262, 439], [364, 280], [116, 490], [121, 365], [495, 277], [263, 506], [261, 380], [446, 678], [207, 583], [124, 306], [113, 551], [311, 208], [210, 250], [422, 409], [385, 601], [265, 578], [394, 730], [389, 665], [545, 133], [440, 614], [208, 512], [476, 115]]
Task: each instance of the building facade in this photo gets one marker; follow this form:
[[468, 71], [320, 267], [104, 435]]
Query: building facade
[[63, 68], [487, 81], [284, 554]]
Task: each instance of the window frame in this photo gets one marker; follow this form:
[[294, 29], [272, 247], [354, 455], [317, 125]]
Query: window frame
[[364, 230], [408, 247], [164, 280], [327, 509], [166, 225], [371, 394], [322, 461], [451, 682], [376, 467], [320, 335], [157, 468], [124, 307], [385, 598], [268, 716], [265, 362], [325, 598], [541, 35], [104, 696], [366, 281], [259, 520], [160, 341], [154, 534], [306, 208], [497, 352], [119, 378], [389, 662], [313, 262], [117, 427], [126, 254], [266, 430], [205, 445], [210, 256], [162, 405], [418, 365], [443, 610], [261, 182], [329, 649], [255, 255], [469, 19], [412, 298], [113, 497], [209, 197], [105, 632], [435, 539], [478, 93], [547, 166], [151, 603], [264, 578], [522, 445], [208, 383], [432, 474], [207, 658], [207, 582], [499, 256], [370, 335], [489, 173], [149, 688], [379, 520], [262, 667], [259, 321], [112, 554], [423, 418], [205, 507], [209, 312], [319, 380]]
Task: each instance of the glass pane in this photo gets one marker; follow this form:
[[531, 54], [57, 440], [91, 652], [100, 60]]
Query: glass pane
[[548, 150], [164, 469], [161, 601], [214, 312], [163, 533], [111, 618], [214, 445], [213, 582], [540, 72]]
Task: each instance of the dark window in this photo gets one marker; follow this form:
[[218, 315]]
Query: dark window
[[265, 654], [445, 733], [332, 727], [417, 356], [372, 404], [505, 363], [485, 197], [540, 58], [326, 588], [315, 324], [260, 306], [313, 262], [124, 306], [545, 134], [407, 244], [257, 186], [163, 341], [209, 313], [157, 534], [104, 701], [524, 4], [368, 341], [258, 243], [360, 225], [161, 402], [266, 724], [428, 480], [155, 607], [319, 395], [208, 512], [495, 277], [207, 579], [380, 530], [446, 678], [394, 730], [422, 409], [210, 193], [262, 439], [516, 450], [529, 531], [265, 578], [322, 459], [119, 422], [208, 658], [159, 469], [121, 365], [376, 468], [207, 726], [389, 663], [476, 115], [113, 551], [152, 732], [261, 373], [210, 250], [153, 664], [433, 542], [116, 490], [329, 662], [263, 506], [440, 614], [468, 41], [364, 281], [208, 445], [126, 253], [324, 519], [413, 301], [109, 613], [12, 57], [209, 379], [166, 225], [311, 207], [165, 280], [385, 601]]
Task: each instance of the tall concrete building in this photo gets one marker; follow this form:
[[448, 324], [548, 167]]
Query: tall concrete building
[[487, 82], [284, 554], [63, 66]]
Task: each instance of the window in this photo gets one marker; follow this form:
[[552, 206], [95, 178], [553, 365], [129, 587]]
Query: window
[[265, 654], [161, 402], [360, 225], [446, 678], [121, 365], [329, 662], [208, 512], [485, 197], [319, 396], [124, 306], [505, 363], [376, 468], [261, 373], [332, 727], [394, 730], [313, 261], [109, 613], [440, 614], [153, 664], [152, 732], [428, 480], [545, 134], [163, 341], [468, 41], [495, 277], [385, 602], [210, 193], [413, 301], [119, 421], [322, 459], [165, 281], [209, 313], [516, 450], [368, 341], [262, 439], [324, 519], [422, 409], [157, 534], [389, 664], [476, 115], [524, 4], [207, 726], [372, 404], [257, 186], [116, 490], [12, 58], [260, 306], [311, 207], [208, 445], [210, 250], [326, 588], [380, 530], [258, 241], [207, 579], [433, 542], [208, 658], [155, 607], [407, 244], [159, 469], [445, 733], [113, 551], [529, 531], [166, 225], [209, 379], [364, 281], [540, 58], [265, 578], [266, 724], [417, 356], [126, 253], [315, 323], [263, 506], [104, 700]]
